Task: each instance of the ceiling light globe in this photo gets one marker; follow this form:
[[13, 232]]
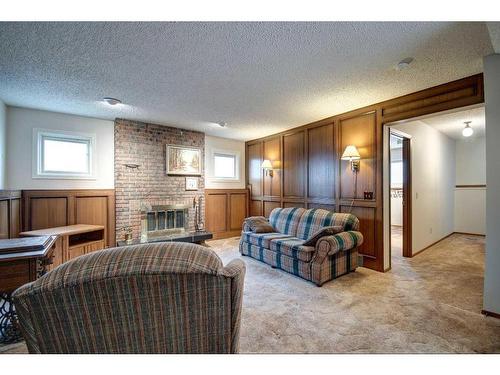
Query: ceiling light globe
[[467, 131]]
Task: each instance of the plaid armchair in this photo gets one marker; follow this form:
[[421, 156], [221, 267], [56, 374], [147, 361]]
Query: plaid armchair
[[331, 257], [151, 298]]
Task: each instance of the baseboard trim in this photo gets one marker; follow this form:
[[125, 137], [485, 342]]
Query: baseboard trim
[[489, 313], [471, 234], [432, 244]]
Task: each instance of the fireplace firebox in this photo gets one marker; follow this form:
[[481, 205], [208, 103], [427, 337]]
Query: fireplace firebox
[[163, 220]]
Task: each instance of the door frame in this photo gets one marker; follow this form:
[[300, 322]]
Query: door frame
[[407, 195]]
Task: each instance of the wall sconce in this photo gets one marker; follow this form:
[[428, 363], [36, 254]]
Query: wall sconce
[[268, 167], [351, 154]]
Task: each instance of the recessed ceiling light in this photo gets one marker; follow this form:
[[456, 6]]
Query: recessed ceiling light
[[222, 124], [404, 64], [111, 101], [467, 131]]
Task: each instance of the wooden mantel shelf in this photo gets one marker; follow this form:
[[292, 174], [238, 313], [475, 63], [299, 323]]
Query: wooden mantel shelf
[[63, 231]]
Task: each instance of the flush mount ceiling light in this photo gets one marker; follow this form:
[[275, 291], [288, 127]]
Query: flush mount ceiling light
[[467, 131], [404, 64], [222, 124], [111, 101]]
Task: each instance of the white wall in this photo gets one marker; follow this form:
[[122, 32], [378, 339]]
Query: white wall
[[491, 301], [433, 183], [20, 125], [471, 161], [213, 144], [3, 136], [470, 202]]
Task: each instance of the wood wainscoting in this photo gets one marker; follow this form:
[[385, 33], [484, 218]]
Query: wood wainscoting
[[309, 172], [225, 210], [10, 213], [56, 208]]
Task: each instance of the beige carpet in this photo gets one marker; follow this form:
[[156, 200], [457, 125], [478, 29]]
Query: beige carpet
[[428, 304]]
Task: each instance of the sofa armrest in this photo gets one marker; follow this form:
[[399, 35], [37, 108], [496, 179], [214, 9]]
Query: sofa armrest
[[330, 245], [235, 270]]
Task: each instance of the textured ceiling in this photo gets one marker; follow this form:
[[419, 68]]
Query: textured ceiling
[[260, 78], [452, 124]]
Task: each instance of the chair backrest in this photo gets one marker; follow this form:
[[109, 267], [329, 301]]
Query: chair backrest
[[286, 220], [314, 219], [152, 298]]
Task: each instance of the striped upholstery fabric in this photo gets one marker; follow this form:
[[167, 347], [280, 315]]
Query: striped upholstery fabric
[[152, 298], [278, 260], [331, 257], [285, 220], [261, 239], [334, 266], [293, 248], [314, 219]]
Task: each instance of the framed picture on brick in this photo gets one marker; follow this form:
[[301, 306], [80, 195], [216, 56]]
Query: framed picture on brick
[[191, 183], [183, 160]]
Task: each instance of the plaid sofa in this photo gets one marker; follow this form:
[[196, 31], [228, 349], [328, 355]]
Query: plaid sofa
[[333, 256], [152, 298]]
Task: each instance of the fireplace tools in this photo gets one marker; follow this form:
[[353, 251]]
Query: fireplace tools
[[198, 223]]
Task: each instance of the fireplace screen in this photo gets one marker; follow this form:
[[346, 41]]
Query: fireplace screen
[[158, 221]]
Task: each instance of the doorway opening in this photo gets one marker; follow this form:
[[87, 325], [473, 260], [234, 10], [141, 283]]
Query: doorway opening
[[400, 194]]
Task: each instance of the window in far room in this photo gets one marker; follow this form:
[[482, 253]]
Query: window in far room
[[63, 154], [225, 165]]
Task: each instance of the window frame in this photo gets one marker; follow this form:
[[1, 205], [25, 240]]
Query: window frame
[[39, 135], [233, 154]]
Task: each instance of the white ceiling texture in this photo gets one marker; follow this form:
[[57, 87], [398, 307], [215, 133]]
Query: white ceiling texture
[[259, 78]]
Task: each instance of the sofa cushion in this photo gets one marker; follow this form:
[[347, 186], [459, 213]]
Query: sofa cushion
[[286, 220], [293, 248], [314, 219], [261, 239]]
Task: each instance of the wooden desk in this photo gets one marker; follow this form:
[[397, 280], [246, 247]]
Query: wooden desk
[[73, 241], [18, 266]]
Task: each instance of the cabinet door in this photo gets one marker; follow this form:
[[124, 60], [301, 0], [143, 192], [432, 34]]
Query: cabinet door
[[94, 246], [76, 251]]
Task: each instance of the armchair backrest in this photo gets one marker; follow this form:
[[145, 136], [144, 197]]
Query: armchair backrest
[[152, 298]]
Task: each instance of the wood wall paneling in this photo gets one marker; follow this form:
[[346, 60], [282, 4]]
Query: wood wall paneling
[[329, 207], [92, 210], [4, 219], [216, 212], [225, 210], [272, 152], [255, 208], [48, 212], [269, 206], [253, 167], [15, 218], [361, 132], [321, 162], [54, 208], [322, 143], [238, 210], [293, 204], [294, 165]]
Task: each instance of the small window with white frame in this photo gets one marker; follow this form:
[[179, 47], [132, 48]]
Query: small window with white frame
[[225, 165], [63, 155]]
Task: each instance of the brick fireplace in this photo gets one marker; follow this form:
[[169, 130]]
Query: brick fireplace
[[141, 181]]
